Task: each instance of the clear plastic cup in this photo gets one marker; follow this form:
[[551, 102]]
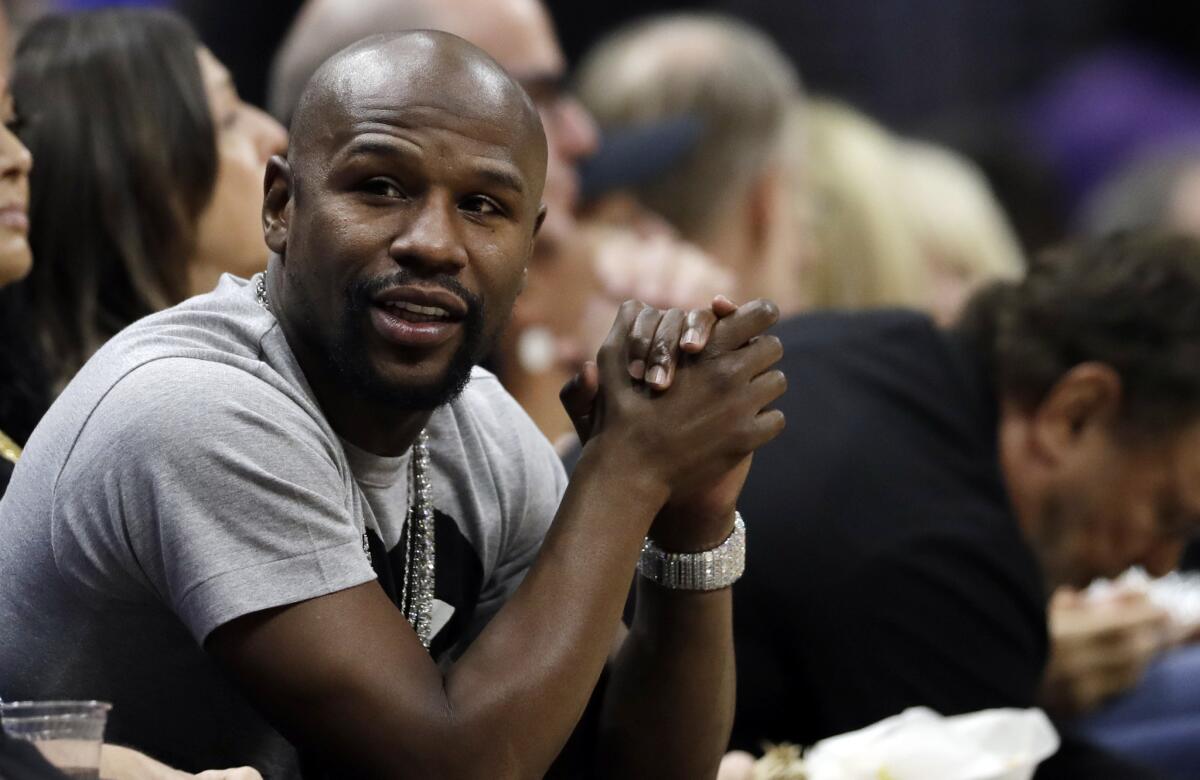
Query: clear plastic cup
[[68, 733]]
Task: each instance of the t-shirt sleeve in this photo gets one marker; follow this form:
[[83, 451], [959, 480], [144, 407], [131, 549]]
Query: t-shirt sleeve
[[202, 486]]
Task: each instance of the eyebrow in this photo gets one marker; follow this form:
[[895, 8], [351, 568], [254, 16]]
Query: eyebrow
[[503, 178], [360, 147], [499, 176]]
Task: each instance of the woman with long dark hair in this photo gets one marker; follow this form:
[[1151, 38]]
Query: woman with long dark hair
[[148, 185], [15, 254]]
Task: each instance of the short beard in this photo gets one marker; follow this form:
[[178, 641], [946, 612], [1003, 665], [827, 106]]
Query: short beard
[[1057, 546], [353, 367]]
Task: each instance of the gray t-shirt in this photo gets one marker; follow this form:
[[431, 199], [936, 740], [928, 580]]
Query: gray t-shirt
[[187, 477]]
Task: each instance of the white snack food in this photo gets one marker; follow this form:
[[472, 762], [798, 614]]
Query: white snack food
[[919, 744]]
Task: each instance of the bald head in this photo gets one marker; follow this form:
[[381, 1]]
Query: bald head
[[395, 77], [502, 28]]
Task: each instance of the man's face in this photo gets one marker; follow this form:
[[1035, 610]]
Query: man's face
[[1115, 504], [410, 224]]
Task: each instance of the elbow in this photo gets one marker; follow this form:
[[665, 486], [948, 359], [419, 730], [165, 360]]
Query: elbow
[[467, 759], [459, 749]]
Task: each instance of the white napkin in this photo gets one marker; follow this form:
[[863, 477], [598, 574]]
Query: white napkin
[[919, 744], [1178, 593]]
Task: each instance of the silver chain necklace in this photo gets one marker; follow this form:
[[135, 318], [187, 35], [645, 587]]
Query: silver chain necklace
[[416, 591]]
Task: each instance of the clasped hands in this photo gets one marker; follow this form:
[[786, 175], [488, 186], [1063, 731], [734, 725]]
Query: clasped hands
[[683, 396]]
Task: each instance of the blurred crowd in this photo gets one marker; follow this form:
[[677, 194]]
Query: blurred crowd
[[980, 223]]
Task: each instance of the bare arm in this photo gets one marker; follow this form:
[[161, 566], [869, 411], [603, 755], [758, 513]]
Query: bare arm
[[345, 675], [669, 706]]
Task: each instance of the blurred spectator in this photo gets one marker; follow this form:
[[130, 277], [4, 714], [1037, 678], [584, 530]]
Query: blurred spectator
[[894, 222], [1097, 115], [1158, 188], [942, 483], [962, 234], [148, 185], [15, 255], [1023, 181], [731, 193], [861, 252]]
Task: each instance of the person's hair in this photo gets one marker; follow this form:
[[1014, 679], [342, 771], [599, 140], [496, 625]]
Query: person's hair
[[861, 253], [1139, 194], [321, 29], [1130, 301], [115, 114], [725, 74], [949, 206]]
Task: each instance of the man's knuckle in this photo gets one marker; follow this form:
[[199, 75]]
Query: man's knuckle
[[779, 381], [725, 373]]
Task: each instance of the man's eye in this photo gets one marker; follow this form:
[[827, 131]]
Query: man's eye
[[481, 204], [385, 188]]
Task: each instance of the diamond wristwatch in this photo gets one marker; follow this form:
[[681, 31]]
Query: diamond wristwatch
[[712, 569]]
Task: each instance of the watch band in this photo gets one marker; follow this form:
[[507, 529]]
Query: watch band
[[712, 569]]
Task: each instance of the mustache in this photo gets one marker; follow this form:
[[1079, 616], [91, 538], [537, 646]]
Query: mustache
[[362, 291]]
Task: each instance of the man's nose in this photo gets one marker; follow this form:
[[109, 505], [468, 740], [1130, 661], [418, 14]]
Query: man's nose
[[432, 237]]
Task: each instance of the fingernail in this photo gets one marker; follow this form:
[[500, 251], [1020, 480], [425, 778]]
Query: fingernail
[[657, 375], [637, 369], [691, 338]]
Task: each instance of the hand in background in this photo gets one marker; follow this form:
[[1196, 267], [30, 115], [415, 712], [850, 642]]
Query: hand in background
[[656, 267], [1099, 649], [649, 265]]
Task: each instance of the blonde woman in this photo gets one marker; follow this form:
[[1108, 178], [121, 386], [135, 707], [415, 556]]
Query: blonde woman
[[893, 222], [964, 237], [859, 250]]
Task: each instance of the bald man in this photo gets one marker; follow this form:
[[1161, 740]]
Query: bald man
[[517, 33], [289, 524], [577, 277]]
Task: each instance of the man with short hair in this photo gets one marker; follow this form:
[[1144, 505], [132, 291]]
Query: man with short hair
[[942, 484], [292, 509], [734, 192]]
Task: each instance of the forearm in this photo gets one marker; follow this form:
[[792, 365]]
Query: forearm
[[526, 680], [668, 710]]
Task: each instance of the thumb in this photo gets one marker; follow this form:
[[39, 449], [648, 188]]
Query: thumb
[[578, 397]]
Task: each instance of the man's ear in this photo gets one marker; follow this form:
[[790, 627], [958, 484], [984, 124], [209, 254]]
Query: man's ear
[[277, 203], [1084, 401]]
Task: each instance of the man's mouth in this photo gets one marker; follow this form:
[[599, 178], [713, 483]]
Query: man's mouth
[[418, 317], [413, 312]]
